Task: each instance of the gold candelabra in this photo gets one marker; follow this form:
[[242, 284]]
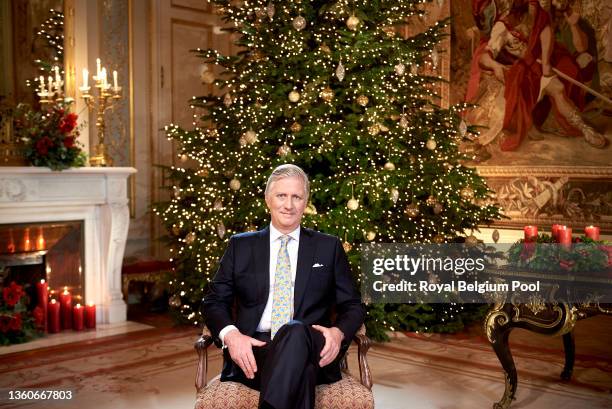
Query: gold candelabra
[[103, 98], [52, 92]]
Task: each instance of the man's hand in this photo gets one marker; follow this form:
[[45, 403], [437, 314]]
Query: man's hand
[[241, 350], [333, 339], [499, 71]]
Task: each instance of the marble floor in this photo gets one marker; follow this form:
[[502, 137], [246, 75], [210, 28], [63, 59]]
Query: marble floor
[[155, 368]]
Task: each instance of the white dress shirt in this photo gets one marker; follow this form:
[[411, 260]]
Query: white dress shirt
[[265, 323]]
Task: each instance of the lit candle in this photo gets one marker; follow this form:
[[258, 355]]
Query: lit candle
[[53, 316], [592, 232], [90, 315], [41, 82], [115, 82], [98, 69], [57, 75], [555, 230], [77, 318], [565, 237], [85, 78], [66, 306], [531, 233], [42, 292], [50, 85]]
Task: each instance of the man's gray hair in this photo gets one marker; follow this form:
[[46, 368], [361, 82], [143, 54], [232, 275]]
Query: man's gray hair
[[289, 170]]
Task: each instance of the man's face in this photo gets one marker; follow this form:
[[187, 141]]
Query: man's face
[[286, 201]]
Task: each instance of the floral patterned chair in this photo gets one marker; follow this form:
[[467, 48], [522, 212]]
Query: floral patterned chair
[[346, 393]]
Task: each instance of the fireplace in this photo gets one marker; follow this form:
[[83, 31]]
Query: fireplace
[[48, 251], [79, 218]]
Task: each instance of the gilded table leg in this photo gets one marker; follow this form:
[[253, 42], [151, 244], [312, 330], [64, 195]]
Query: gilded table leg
[[502, 350], [570, 348]]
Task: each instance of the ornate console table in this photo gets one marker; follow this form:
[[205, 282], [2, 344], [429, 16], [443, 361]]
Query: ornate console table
[[548, 314]]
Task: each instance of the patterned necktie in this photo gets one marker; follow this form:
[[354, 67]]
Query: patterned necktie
[[281, 299]]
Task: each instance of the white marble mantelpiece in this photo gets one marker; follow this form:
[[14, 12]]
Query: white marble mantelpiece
[[96, 196]]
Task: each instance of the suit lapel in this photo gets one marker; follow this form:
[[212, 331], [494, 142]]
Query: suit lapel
[[306, 252], [261, 255]]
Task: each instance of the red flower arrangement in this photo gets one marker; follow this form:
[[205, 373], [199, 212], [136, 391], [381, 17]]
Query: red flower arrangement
[[50, 136], [16, 323]]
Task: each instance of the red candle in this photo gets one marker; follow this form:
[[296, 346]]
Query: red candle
[[531, 233], [592, 232], [77, 318], [42, 291], [66, 303], [54, 316], [90, 315], [555, 230], [565, 237]]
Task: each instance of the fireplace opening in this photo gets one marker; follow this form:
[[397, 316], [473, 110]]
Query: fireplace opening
[[54, 251]]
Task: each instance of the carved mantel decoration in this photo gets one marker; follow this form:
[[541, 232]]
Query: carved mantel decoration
[[96, 196], [552, 194]]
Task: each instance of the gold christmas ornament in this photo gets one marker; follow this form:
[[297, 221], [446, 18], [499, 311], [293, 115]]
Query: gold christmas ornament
[[326, 94], [242, 141], [394, 196], [400, 69], [347, 246], [284, 150], [310, 209], [383, 128], [394, 117], [352, 204], [362, 100], [438, 208], [462, 128], [431, 144], [412, 159], [299, 23], [467, 193], [218, 205], [190, 237], [296, 127], [270, 10], [184, 158], [371, 235], [403, 122], [352, 23], [250, 136], [234, 184], [256, 55], [412, 210], [438, 239], [390, 166], [374, 129], [294, 96], [208, 77], [471, 240], [325, 48]]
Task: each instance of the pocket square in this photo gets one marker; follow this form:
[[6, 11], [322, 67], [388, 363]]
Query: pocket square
[[317, 265]]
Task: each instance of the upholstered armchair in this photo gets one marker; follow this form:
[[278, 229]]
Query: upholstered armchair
[[344, 394]]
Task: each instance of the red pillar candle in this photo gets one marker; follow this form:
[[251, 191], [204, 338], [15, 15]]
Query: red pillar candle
[[592, 232], [77, 318], [531, 233], [54, 316], [42, 292], [66, 306], [555, 231], [565, 237], [90, 315]]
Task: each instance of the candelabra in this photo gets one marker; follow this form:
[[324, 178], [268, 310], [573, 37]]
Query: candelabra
[[52, 92], [103, 98]]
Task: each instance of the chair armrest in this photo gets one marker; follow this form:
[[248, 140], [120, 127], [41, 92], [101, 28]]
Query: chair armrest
[[363, 345], [201, 347]]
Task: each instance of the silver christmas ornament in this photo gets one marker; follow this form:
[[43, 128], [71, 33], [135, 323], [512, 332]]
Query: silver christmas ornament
[[352, 204], [394, 195], [340, 71], [390, 166], [221, 230], [403, 122], [227, 100], [299, 23], [352, 23], [234, 184], [462, 128], [294, 96]]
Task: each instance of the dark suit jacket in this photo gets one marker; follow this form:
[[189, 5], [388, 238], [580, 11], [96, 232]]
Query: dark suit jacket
[[243, 278]]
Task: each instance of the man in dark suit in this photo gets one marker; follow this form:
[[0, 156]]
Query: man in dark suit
[[271, 302]]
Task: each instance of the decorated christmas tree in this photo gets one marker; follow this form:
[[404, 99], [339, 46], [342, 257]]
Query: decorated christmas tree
[[332, 88]]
